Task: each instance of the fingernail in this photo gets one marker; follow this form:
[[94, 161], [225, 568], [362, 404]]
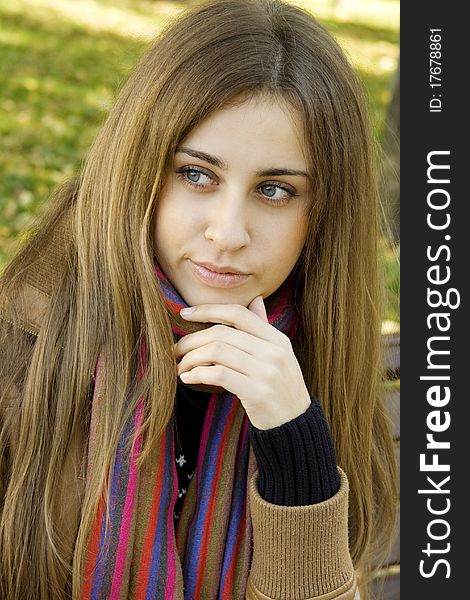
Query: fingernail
[[187, 311]]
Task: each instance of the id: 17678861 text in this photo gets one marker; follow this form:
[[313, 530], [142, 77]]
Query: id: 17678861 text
[[435, 70]]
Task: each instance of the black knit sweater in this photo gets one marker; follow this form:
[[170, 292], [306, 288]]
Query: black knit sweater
[[296, 461]]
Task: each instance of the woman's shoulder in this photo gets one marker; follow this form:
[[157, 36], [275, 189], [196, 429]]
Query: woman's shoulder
[[26, 309], [27, 289], [19, 327], [32, 277]]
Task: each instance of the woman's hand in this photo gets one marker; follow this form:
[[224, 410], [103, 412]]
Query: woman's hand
[[246, 355]]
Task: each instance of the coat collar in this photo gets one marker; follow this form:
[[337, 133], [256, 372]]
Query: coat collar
[[40, 279]]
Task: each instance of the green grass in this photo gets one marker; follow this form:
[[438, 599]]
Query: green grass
[[58, 81], [62, 65]]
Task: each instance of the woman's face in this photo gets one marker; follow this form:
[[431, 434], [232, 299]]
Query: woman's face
[[235, 201]]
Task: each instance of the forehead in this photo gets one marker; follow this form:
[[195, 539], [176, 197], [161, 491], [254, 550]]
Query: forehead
[[264, 130]]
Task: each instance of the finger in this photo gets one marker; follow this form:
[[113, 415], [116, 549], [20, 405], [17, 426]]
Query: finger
[[257, 306], [224, 335], [219, 375], [218, 354], [234, 315]]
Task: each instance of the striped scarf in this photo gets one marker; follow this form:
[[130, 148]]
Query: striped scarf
[[139, 557]]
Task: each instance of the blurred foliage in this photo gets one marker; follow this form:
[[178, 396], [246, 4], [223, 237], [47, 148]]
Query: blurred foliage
[[64, 61], [390, 262]]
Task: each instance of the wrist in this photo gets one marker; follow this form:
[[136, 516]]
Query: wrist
[[288, 412]]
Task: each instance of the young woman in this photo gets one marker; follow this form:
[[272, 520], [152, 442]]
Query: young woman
[[242, 449]]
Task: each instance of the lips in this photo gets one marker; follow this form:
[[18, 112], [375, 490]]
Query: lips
[[215, 279], [222, 269]]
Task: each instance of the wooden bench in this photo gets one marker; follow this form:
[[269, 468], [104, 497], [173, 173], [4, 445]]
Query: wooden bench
[[386, 584]]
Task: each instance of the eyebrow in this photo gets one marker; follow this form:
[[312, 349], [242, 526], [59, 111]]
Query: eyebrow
[[214, 160]]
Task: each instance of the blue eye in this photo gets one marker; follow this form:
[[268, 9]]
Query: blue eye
[[191, 174], [269, 191], [195, 177]]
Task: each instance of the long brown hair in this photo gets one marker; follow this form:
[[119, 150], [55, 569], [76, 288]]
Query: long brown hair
[[106, 295]]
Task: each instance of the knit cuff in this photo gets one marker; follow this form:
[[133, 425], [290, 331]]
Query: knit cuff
[[296, 461], [301, 551]]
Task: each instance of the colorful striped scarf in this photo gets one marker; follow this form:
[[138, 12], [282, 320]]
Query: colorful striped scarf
[[139, 557]]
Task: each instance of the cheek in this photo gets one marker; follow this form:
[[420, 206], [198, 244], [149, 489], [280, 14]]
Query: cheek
[[293, 239], [174, 225], [301, 230], [163, 227]]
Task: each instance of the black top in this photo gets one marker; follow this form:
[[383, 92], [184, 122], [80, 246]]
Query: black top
[[296, 461], [190, 410]]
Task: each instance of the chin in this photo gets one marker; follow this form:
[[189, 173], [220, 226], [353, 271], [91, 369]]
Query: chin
[[212, 296]]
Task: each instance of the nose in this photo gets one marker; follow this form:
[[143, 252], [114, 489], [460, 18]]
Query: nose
[[228, 224]]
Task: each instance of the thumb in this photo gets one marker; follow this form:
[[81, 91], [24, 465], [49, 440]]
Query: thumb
[[257, 306]]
